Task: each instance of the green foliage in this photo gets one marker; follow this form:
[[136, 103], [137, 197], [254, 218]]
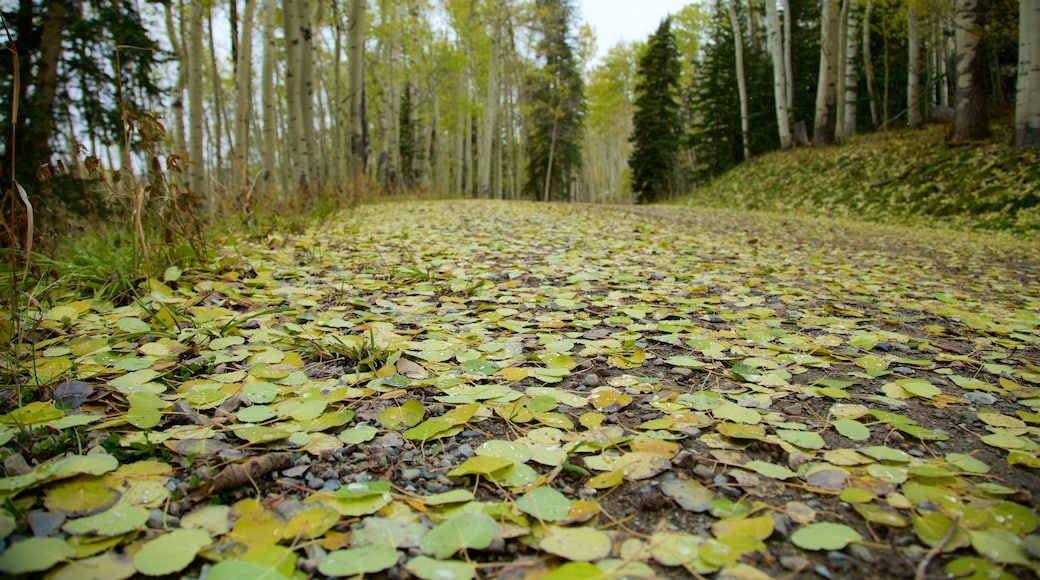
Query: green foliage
[[107, 64], [657, 126], [556, 95], [715, 135]]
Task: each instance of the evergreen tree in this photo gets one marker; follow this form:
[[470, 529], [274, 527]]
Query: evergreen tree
[[657, 127], [92, 57], [715, 134], [557, 106]]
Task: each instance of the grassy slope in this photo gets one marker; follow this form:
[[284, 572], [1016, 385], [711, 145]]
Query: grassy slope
[[903, 177]]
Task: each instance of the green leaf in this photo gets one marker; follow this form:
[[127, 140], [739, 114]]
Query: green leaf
[[363, 489], [480, 465], [545, 504], [170, 552], [462, 532], [852, 429], [576, 544], [34, 555], [825, 536], [407, 415], [242, 570], [429, 569], [803, 439], [364, 560], [770, 469], [479, 367], [999, 546]]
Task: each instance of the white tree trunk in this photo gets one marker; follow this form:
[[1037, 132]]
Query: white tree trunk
[[488, 130], [197, 169], [294, 129], [823, 129], [851, 74], [358, 144], [244, 94], [305, 66], [913, 81], [868, 66], [268, 100], [972, 121], [780, 81], [840, 86], [738, 43], [1027, 98], [180, 52], [788, 67]]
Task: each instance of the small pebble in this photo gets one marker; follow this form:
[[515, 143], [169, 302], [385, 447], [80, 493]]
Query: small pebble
[[44, 522], [411, 474], [465, 450], [331, 485], [907, 371], [980, 398], [883, 346], [795, 409], [591, 380], [681, 371], [863, 553], [781, 524], [823, 571], [794, 563], [896, 437], [703, 471], [840, 560]]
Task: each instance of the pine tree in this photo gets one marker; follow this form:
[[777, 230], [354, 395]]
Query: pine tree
[[657, 135], [557, 106]]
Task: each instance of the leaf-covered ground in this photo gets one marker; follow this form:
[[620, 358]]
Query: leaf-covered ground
[[519, 390], [906, 176]]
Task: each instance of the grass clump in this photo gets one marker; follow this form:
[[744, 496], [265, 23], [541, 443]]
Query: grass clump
[[897, 177]]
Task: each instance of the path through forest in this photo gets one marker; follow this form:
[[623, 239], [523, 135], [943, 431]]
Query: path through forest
[[503, 389]]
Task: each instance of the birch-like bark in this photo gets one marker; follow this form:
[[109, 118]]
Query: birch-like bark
[[293, 134], [823, 129], [180, 141], [851, 73], [244, 94], [913, 81], [738, 43], [1027, 97], [868, 66], [788, 67], [358, 141], [197, 169], [780, 81], [309, 165], [489, 126], [267, 104], [972, 120]]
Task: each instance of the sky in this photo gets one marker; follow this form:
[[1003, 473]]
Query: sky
[[617, 20]]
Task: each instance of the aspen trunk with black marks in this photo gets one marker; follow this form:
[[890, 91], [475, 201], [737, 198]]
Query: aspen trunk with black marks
[[823, 128], [738, 43], [780, 80], [1027, 98], [972, 121], [358, 135], [913, 80]]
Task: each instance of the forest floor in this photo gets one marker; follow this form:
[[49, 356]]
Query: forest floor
[[520, 390]]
